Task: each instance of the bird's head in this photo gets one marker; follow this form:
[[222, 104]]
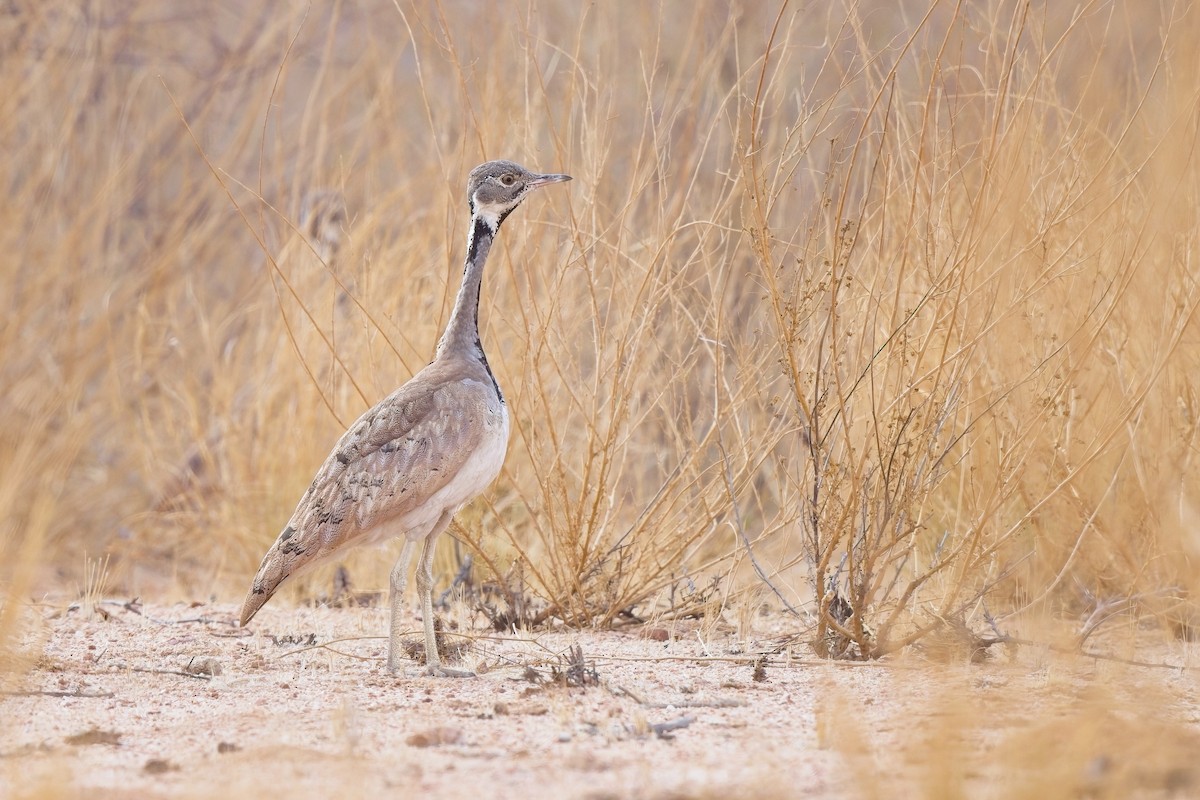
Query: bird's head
[[497, 187]]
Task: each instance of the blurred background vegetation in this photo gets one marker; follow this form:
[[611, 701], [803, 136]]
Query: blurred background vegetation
[[882, 312]]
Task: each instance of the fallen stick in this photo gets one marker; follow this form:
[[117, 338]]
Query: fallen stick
[[663, 729]]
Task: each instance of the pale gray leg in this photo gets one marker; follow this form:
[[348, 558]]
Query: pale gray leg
[[399, 581], [433, 661]]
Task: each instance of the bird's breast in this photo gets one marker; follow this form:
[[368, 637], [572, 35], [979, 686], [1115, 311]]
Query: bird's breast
[[478, 471], [487, 458]]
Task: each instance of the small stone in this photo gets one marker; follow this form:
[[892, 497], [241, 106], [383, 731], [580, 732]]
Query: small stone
[[434, 736], [203, 666], [95, 736], [158, 766]]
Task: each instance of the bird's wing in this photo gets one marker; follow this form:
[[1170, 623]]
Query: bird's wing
[[391, 460]]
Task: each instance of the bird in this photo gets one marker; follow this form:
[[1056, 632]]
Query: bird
[[408, 464]]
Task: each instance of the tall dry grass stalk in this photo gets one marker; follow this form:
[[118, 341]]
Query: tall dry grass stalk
[[961, 317], [891, 308]]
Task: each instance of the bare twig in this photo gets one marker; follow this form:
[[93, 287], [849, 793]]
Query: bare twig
[[84, 693], [664, 730], [203, 676], [741, 531]]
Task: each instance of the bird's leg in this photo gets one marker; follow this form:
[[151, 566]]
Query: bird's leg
[[433, 662], [399, 581]]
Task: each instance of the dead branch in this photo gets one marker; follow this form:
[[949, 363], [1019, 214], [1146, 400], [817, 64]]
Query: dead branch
[[663, 730]]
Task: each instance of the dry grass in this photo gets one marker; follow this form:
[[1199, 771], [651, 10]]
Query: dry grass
[[889, 313], [984, 322]]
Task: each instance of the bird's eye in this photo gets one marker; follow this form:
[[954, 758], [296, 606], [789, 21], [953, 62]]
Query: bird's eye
[[508, 179]]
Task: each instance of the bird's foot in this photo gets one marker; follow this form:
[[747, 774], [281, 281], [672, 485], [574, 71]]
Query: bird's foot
[[398, 671], [438, 671]]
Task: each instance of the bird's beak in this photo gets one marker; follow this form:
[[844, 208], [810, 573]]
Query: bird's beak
[[542, 180]]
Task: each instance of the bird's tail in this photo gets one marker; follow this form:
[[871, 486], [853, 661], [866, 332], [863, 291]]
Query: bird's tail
[[276, 568]]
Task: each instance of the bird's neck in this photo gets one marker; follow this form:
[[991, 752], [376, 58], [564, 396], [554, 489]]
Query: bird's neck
[[462, 331]]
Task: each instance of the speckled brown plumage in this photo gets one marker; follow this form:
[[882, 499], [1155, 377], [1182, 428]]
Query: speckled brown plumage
[[407, 465]]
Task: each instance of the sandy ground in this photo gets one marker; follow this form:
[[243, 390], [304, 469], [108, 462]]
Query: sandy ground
[[127, 706]]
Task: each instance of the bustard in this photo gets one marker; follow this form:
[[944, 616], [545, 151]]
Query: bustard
[[406, 466]]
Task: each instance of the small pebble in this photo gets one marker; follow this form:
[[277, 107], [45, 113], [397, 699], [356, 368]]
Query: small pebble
[[158, 766], [434, 736]]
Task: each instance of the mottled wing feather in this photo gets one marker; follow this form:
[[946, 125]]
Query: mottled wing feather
[[392, 459]]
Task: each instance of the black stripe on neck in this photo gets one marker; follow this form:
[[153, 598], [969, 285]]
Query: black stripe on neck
[[483, 360], [480, 230]]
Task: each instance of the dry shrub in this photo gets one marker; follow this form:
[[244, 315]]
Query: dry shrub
[[962, 315]]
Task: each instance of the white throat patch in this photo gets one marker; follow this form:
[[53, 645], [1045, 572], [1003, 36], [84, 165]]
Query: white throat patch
[[490, 218]]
